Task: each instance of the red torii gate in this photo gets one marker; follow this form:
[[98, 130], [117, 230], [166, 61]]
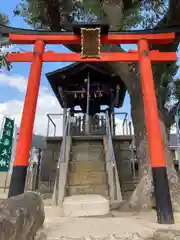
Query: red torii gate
[[144, 56]]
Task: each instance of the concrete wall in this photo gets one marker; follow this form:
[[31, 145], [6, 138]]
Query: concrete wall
[[123, 155], [49, 164]]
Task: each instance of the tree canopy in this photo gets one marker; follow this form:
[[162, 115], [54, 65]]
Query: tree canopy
[[3, 63], [56, 15], [3, 19]]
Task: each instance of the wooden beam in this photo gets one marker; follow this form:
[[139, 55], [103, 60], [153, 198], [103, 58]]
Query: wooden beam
[[74, 57], [104, 57], [50, 56], [20, 57], [157, 56], [159, 38]]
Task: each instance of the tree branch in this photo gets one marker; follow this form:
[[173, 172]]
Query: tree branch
[[114, 13], [128, 4], [173, 16], [169, 116]]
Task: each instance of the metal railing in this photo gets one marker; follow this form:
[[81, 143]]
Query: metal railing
[[62, 153], [121, 124], [111, 152], [108, 133], [96, 125], [63, 144], [50, 120]]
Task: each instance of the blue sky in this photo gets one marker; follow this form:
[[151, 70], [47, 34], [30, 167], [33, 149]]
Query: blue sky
[[12, 96], [23, 68]]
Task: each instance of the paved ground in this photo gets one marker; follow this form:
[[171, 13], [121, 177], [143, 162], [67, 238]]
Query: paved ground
[[118, 225], [3, 194], [115, 225]]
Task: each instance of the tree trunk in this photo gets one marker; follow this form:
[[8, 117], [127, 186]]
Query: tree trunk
[[143, 196], [174, 181]]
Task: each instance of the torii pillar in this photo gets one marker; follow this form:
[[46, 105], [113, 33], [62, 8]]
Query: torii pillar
[[18, 177]]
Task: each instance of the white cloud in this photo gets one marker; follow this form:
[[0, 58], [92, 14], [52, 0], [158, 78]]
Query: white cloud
[[47, 103], [12, 48], [18, 82], [6, 49]]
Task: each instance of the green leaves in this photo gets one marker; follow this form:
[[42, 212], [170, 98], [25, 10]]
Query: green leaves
[[176, 89], [164, 76], [145, 14], [132, 17], [4, 63], [34, 12], [3, 19], [92, 6]]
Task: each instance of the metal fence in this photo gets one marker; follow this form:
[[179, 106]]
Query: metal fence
[[97, 124]]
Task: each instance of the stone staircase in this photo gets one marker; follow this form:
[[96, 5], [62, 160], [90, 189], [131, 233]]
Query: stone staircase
[[128, 188], [87, 172]]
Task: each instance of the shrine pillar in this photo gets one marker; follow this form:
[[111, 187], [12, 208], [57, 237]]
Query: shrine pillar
[[64, 116], [18, 178], [87, 120], [156, 148]]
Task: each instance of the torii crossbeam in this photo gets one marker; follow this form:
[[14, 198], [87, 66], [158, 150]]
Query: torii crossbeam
[[88, 54]]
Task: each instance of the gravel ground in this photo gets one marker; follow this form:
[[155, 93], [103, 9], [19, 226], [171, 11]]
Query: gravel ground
[[117, 226]]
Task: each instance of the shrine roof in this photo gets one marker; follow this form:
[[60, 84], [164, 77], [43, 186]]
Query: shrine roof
[[72, 77], [78, 69]]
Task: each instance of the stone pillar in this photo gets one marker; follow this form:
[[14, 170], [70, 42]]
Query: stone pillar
[[64, 117], [87, 130]]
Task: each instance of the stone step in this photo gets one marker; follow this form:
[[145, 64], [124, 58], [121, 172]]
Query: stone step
[[88, 189], [87, 166], [87, 153], [85, 205], [88, 147], [46, 195], [126, 195], [129, 185], [87, 178], [86, 142]]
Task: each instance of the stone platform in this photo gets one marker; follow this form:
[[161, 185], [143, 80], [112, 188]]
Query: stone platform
[[85, 205]]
